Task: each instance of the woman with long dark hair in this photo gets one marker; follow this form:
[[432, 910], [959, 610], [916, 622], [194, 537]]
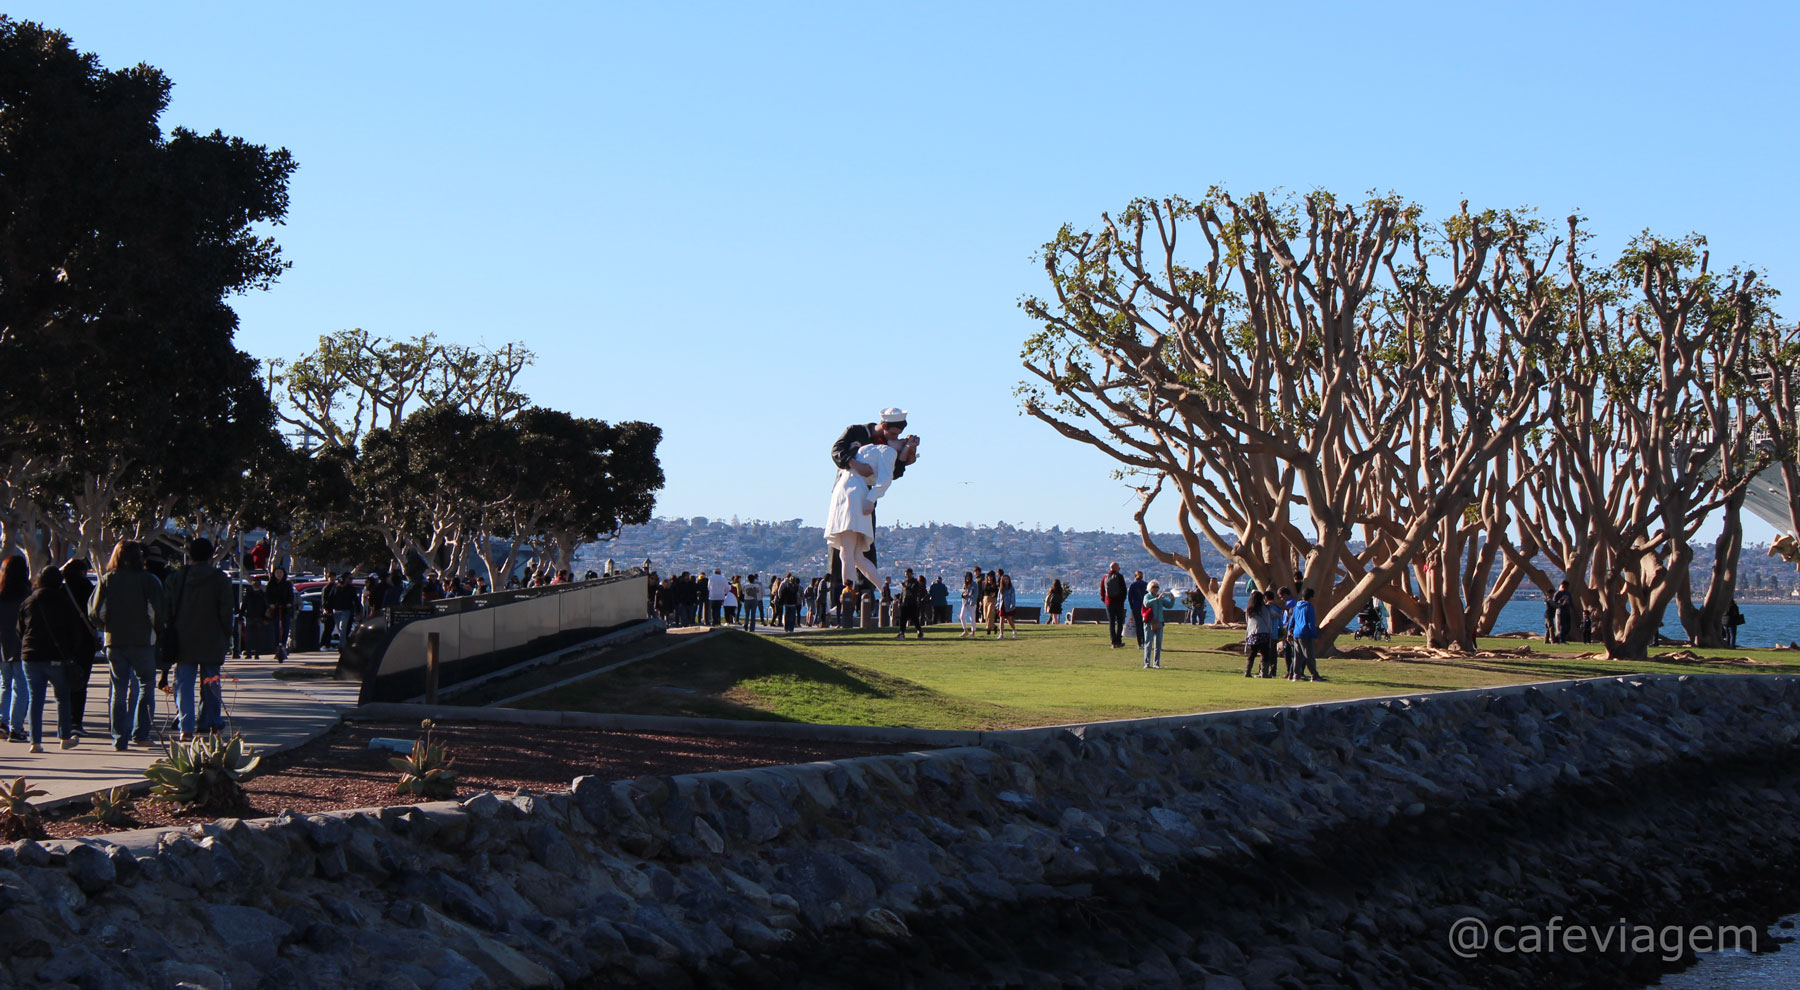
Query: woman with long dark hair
[[1008, 602], [1261, 623], [15, 585], [80, 668], [51, 634], [128, 606], [971, 597], [1053, 601], [281, 609]]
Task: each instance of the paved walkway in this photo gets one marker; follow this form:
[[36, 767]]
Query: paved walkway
[[272, 714]]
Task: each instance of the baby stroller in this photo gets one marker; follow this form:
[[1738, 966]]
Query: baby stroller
[[1368, 624]]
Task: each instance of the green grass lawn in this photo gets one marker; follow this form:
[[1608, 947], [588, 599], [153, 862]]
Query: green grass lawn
[[1049, 675]]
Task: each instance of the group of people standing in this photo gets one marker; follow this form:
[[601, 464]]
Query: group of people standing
[[989, 600], [689, 599], [57, 624], [1286, 625], [1139, 603]]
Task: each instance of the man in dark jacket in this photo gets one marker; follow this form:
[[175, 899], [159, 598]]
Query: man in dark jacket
[[790, 602], [1112, 591], [1134, 604], [341, 600], [843, 455], [200, 603]]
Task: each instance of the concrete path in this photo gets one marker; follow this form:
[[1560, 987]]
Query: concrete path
[[272, 714]]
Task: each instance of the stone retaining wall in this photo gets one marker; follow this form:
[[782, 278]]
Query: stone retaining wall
[[745, 876]]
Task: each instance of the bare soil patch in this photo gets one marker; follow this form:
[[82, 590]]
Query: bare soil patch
[[339, 771]]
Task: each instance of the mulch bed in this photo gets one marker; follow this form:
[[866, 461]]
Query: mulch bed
[[340, 771]]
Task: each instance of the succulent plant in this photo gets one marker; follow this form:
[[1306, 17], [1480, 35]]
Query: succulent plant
[[426, 772], [18, 818], [206, 773], [110, 807]]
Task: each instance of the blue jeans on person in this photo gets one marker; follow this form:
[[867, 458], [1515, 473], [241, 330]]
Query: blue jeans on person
[[752, 612], [341, 622], [15, 696], [40, 674], [133, 691], [791, 615], [211, 697], [1152, 644]]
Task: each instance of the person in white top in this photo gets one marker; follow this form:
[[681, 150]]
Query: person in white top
[[850, 520], [716, 587]]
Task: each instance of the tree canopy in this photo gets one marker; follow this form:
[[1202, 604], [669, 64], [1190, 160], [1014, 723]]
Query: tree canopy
[[127, 400], [1445, 402]]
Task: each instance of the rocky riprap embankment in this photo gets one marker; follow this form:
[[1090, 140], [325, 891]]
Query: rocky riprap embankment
[[1325, 845]]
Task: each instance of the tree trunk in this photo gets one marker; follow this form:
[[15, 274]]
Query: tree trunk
[[1706, 624], [1220, 594]]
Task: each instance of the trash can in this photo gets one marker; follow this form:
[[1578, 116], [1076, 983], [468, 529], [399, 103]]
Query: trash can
[[306, 627]]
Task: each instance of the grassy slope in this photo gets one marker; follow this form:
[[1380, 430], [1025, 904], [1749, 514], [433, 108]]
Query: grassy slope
[[1048, 675]]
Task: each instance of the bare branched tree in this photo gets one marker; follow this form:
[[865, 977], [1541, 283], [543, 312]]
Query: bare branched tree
[[1313, 347], [1651, 410]]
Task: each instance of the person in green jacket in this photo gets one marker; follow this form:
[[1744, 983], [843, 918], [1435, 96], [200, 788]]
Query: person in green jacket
[[128, 608], [200, 602]]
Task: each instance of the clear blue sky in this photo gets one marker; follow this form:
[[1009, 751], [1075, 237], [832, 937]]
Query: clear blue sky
[[754, 223]]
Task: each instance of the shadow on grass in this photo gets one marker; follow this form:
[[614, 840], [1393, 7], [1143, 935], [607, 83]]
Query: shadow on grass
[[695, 680]]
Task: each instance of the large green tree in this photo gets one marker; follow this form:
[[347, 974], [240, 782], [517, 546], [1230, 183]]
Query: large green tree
[[119, 248]]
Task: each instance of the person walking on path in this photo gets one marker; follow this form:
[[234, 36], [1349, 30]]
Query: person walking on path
[[15, 695], [1261, 620], [1134, 605], [281, 609], [200, 604], [52, 633], [1304, 625], [1155, 602], [1112, 593], [253, 617], [342, 600], [128, 607], [80, 670]]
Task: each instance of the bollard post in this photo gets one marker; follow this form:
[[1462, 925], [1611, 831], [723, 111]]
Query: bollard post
[[431, 668]]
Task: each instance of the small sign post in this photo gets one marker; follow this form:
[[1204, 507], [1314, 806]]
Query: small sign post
[[431, 668]]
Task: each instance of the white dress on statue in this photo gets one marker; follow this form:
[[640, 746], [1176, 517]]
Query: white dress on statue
[[849, 529]]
